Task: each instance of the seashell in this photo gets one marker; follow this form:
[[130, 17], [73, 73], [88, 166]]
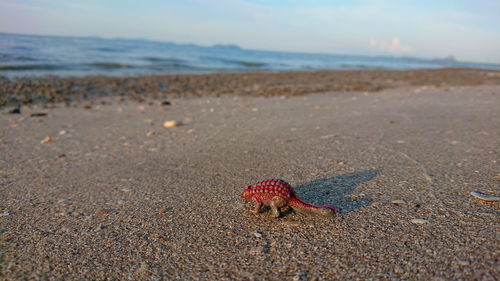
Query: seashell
[[485, 197], [398, 202], [47, 139], [419, 221], [171, 124]]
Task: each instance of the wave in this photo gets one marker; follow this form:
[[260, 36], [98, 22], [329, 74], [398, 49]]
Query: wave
[[164, 60], [110, 65], [244, 63], [8, 57], [106, 50], [20, 67]]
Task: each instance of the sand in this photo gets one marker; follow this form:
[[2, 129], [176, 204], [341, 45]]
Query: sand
[[114, 195]]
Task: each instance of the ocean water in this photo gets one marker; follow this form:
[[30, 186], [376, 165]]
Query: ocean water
[[28, 55]]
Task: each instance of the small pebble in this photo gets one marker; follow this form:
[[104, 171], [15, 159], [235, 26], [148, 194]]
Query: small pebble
[[62, 132], [165, 102], [151, 133], [171, 124], [64, 201], [38, 114], [398, 202], [419, 221], [257, 234], [16, 110], [398, 269], [47, 139], [300, 276], [4, 214]]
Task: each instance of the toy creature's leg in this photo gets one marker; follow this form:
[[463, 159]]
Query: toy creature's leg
[[256, 207], [276, 204]]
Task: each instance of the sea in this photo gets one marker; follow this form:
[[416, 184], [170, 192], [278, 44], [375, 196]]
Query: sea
[[34, 55]]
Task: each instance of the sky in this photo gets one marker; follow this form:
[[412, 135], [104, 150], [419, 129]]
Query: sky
[[469, 30]]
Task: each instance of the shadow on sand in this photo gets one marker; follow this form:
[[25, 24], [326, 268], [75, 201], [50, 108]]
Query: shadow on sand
[[336, 191]]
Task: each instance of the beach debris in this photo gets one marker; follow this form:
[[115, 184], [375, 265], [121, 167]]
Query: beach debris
[[257, 234], [171, 124], [484, 197], [47, 139], [38, 114], [4, 214], [151, 133], [16, 110], [398, 202], [277, 194], [419, 221]]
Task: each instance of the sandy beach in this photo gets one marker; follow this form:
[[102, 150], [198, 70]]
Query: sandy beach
[[94, 187]]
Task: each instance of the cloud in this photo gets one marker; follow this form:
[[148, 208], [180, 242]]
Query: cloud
[[393, 46]]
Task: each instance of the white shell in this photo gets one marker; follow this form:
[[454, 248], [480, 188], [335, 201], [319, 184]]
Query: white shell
[[481, 196]]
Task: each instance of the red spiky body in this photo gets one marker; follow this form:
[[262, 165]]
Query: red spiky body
[[277, 194]]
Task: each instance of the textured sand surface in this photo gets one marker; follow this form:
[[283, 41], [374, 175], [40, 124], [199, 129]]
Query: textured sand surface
[[102, 200]]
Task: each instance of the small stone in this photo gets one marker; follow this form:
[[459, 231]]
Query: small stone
[[419, 221], [99, 227], [259, 250], [47, 139], [463, 262], [16, 110], [62, 132], [257, 234], [64, 201], [171, 124], [143, 269], [162, 211], [398, 269], [300, 276], [165, 102], [38, 114], [400, 141], [4, 214], [148, 121], [101, 213], [398, 202], [151, 133]]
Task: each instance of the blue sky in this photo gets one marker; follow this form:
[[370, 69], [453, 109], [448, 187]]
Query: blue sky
[[469, 30]]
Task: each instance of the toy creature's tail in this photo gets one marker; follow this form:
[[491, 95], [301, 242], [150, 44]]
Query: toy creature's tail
[[304, 207]]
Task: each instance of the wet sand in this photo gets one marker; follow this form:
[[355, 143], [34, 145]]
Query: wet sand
[[116, 196], [19, 91]]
